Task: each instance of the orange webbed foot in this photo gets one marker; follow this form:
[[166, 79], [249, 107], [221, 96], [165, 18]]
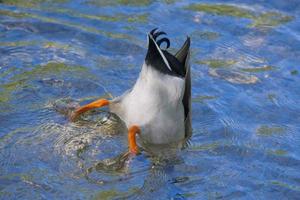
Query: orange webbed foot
[[132, 131], [95, 104]]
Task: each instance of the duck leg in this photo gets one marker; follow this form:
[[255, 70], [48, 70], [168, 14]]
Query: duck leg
[[95, 104], [132, 131]]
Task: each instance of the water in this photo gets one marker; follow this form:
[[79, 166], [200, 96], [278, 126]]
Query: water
[[245, 97]]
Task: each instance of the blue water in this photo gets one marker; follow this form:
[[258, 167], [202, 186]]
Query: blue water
[[57, 54]]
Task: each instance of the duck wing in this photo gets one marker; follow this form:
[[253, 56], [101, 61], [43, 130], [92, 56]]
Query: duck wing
[[183, 56]]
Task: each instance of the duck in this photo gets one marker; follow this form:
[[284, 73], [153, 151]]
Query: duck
[[157, 108]]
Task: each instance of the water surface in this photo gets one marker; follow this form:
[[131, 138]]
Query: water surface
[[245, 97]]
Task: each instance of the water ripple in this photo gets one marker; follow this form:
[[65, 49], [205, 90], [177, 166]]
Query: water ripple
[[55, 55]]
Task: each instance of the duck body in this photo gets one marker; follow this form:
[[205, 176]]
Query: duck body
[[158, 107]]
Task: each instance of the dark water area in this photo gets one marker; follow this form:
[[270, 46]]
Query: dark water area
[[245, 99]]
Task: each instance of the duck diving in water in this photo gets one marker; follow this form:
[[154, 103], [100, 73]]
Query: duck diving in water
[[158, 106]]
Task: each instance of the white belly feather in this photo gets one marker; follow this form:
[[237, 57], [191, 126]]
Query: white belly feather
[[155, 104]]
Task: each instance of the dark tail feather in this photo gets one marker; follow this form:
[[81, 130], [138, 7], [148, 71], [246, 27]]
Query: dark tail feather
[[182, 53]]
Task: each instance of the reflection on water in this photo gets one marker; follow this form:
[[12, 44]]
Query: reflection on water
[[260, 18], [58, 54]]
